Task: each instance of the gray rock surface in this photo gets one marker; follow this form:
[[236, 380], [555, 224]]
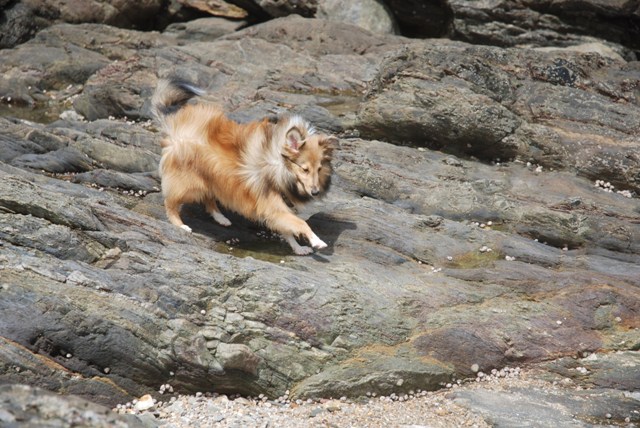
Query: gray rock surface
[[442, 260], [21, 406]]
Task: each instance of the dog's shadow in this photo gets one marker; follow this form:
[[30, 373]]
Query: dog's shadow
[[245, 238]]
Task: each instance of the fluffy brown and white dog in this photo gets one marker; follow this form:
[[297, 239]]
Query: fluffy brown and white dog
[[258, 169]]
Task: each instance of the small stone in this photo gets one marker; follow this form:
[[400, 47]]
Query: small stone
[[475, 368], [144, 403]]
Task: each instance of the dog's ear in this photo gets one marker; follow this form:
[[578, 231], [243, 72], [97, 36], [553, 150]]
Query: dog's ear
[[328, 144], [293, 141]]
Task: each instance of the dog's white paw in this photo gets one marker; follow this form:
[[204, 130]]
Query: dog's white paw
[[185, 228], [303, 250], [317, 243], [221, 219]]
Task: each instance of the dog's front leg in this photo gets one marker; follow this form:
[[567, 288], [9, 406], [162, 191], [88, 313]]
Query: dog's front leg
[[291, 226]]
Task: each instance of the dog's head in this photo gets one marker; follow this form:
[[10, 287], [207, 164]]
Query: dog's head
[[308, 156]]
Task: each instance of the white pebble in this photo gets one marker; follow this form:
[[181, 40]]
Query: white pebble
[[203, 312]]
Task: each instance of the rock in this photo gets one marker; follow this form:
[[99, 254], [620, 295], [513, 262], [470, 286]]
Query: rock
[[203, 29], [22, 19], [384, 370], [532, 23], [371, 15], [237, 357], [532, 407], [23, 404], [144, 182], [617, 370], [124, 159], [103, 298], [531, 115], [144, 403], [278, 8], [216, 8], [63, 160]]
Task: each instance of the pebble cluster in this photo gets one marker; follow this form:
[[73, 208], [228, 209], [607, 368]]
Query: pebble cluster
[[610, 188], [414, 407], [486, 225]]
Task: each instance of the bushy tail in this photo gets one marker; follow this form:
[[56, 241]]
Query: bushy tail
[[170, 95]]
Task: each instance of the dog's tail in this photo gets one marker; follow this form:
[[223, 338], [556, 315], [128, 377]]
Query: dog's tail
[[170, 95]]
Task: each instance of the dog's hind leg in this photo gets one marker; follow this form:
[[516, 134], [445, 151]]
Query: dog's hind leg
[[212, 208], [172, 207]]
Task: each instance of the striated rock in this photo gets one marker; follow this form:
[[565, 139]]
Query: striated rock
[[545, 23], [482, 104]]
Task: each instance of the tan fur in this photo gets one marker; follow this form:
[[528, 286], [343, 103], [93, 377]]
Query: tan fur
[[256, 169]]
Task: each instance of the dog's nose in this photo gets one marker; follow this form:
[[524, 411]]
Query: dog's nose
[[315, 191]]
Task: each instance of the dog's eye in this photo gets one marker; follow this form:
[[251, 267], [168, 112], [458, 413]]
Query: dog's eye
[[305, 169]]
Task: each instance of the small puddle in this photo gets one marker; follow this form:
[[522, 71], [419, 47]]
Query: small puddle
[[40, 113], [267, 251], [475, 259]]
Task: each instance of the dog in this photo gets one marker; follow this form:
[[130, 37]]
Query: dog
[[261, 170]]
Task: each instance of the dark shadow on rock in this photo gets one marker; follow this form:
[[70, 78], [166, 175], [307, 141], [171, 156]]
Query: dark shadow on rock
[[329, 230], [246, 238]]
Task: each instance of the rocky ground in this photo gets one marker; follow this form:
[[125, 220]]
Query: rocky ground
[[484, 214]]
